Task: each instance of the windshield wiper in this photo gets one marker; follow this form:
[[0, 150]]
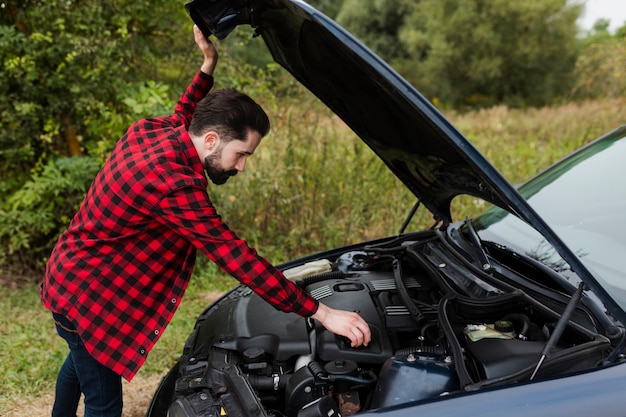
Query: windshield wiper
[[478, 245]]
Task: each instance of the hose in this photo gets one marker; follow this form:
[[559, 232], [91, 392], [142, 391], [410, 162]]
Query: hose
[[523, 333], [320, 277], [320, 374]]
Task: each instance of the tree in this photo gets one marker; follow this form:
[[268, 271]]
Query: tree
[[473, 52], [600, 70], [62, 61], [73, 75], [329, 7], [476, 52], [376, 23]]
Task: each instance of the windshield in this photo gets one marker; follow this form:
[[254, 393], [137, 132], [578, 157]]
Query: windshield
[[583, 200]]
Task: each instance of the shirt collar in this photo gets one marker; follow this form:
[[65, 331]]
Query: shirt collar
[[190, 154]]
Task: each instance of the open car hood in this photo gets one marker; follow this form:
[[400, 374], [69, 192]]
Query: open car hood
[[403, 128], [433, 159]]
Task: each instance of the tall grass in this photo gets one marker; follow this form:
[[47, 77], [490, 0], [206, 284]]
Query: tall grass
[[311, 185], [520, 143]]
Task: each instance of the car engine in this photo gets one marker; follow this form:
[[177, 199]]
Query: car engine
[[438, 328]]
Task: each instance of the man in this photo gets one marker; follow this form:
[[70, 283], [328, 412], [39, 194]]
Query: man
[[116, 276]]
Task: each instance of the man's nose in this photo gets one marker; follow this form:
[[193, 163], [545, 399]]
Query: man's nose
[[241, 164]]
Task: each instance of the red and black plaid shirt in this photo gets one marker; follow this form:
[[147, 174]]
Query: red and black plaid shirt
[[119, 271]]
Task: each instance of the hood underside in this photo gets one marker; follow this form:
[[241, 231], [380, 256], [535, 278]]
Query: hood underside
[[403, 128]]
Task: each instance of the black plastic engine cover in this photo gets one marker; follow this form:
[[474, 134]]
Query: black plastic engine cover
[[354, 293]]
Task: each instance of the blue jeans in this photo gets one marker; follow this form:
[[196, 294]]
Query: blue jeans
[[81, 373]]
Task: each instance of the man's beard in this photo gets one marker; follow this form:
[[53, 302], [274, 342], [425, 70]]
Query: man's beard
[[217, 175]]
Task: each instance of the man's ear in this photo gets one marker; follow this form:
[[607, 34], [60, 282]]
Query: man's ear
[[211, 140]]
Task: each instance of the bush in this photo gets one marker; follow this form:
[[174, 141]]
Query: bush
[[601, 70], [33, 217]]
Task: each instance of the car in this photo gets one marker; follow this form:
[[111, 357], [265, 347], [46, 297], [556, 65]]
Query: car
[[518, 311]]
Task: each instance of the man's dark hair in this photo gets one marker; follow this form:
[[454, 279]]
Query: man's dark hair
[[230, 113]]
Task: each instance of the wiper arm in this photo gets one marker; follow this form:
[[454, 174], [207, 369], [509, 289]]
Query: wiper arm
[[478, 244]]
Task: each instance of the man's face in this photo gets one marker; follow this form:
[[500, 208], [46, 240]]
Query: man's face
[[226, 159], [212, 166]]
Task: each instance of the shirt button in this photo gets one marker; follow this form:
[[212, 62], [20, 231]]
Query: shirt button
[[142, 351], [156, 332], [173, 301]]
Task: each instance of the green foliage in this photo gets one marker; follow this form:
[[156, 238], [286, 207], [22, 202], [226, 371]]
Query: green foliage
[[377, 23], [601, 68], [93, 68], [472, 53], [63, 64], [32, 218], [73, 77], [620, 33], [481, 53], [241, 50], [33, 215], [136, 101]]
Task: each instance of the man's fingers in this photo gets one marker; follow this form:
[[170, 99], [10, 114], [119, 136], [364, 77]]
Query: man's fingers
[[361, 333], [357, 337], [364, 330]]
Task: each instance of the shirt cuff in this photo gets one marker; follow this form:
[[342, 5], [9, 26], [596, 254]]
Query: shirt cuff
[[205, 76]]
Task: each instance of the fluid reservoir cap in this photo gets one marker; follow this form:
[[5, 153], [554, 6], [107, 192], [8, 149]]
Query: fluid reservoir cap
[[341, 367], [504, 326], [253, 355]]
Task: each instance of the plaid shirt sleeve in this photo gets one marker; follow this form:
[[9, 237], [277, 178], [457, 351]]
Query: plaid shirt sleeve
[[183, 111], [189, 211]]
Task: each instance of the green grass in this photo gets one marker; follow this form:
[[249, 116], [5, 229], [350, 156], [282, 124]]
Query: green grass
[[31, 353], [309, 186], [28, 352]]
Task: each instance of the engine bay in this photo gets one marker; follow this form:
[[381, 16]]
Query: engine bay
[[438, 328]]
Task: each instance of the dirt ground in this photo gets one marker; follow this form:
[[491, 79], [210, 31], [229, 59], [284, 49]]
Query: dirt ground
[[137, 395]]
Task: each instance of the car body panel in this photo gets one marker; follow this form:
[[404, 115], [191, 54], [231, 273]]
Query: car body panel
[[586, 394]]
